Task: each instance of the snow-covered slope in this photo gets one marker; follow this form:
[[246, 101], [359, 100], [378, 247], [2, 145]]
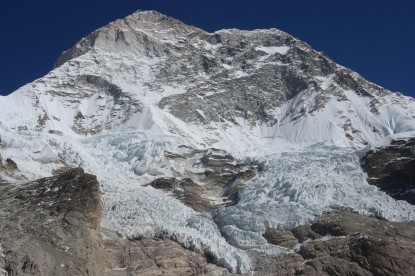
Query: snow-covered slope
[[125, 95], [151, 72]]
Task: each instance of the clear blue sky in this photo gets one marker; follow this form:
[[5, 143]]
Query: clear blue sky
[[374, 38]]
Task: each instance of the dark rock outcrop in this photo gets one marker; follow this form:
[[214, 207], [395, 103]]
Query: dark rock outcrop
[[281, 238], [344, 243], [304, 233], [354, 244], [11, 165], [52, 227], [9, 170], [214, 180], [392, 169], [187, 192], [287, 265]]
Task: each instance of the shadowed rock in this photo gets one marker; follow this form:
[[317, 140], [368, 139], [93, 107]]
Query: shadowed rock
[[354, 244], [52, 227], [213, 179], [281, 238], [11, 165], [343, 243], [392, 169]]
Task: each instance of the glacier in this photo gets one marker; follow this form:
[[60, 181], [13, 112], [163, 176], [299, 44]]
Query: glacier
[[295, 185], [143, 86]]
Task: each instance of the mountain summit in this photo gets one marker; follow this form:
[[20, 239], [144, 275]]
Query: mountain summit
[[154, 72], [217, 141], [163, 74], [126, 32]]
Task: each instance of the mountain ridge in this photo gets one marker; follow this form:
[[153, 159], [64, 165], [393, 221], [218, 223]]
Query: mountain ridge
[[276, 126], [144, 17], [273, 77]]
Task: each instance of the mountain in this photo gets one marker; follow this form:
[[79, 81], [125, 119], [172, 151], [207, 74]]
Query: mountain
[[175, 79], [218, 142]]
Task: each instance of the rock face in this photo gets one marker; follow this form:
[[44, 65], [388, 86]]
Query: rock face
[[358, 245], [214, 180], [281, 238], [9, 171], [345, 243], [392, 169], [52, 227], [11, 165]]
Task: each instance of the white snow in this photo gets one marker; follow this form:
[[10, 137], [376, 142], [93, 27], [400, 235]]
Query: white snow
[[270, 51], [282, 50], [298, 185], [239, 74], [310, 163], [388, 139], [2, 256], [325, 82]]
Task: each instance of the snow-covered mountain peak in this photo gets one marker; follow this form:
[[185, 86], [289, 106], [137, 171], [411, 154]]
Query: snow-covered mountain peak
[[158, 19], [143, 99], [231, 87], [130, 34]]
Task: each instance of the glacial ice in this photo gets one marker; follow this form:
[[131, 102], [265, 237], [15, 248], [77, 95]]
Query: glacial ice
[[294, 186], [299, 179]]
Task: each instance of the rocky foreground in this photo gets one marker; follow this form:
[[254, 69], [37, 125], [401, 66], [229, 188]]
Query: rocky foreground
[[52, 227]]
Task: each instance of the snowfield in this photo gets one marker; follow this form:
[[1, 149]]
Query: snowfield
[[101, 110]]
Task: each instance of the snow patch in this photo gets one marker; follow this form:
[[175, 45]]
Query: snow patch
[[282, 50], [325, 82], [3, 272]]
